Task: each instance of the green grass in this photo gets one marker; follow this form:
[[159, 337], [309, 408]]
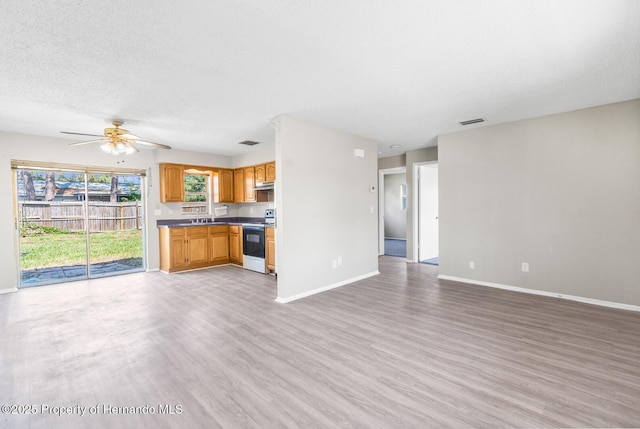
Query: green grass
[[64, 249]]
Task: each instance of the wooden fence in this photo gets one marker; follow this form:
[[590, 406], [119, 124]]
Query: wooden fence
[[69, 215]]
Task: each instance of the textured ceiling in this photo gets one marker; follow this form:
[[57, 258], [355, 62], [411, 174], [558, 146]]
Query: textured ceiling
[[205, 75]]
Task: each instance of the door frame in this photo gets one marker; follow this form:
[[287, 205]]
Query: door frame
[[85, 171], [381, 174], [416, 209]]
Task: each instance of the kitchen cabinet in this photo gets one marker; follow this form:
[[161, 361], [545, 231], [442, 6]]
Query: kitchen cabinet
[[184, 248], [171, 183], [235, 244], [172, 189], [176, 253], [225, 186], [270, 172], [249, 184], [238, 185], [197, 246], [219, 244], [261, 173], [270, 242]]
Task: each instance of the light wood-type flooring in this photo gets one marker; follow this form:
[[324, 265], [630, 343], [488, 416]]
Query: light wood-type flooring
[[398, 350]]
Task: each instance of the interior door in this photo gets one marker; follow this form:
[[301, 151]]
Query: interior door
[[428, 212]]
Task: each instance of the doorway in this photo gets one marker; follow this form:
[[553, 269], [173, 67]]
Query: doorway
[[76, 224], [392, 211], [427, 213]]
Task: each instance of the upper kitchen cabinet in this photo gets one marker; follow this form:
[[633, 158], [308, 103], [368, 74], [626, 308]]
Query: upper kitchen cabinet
[[225, 186], [171, 183], [249, 184], [238, 188], [270, 172], [261, 173]]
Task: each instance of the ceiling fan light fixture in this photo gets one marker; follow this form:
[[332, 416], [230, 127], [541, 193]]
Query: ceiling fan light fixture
[[107, 147], [118, 141], [118, 148]]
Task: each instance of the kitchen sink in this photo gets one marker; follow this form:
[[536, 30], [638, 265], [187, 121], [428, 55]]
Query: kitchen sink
[[201, 223]]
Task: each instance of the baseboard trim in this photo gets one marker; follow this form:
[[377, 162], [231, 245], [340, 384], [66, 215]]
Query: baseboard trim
[[618, 305], [286, 300], [15, 289]]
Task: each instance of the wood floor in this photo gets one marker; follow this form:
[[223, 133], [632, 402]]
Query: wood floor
[[398, 350]]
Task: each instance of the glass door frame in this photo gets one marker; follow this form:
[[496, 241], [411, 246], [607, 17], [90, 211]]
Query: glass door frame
[[85, 171]]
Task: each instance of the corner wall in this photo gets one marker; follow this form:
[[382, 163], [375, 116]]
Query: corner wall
[[326, 210], [558, 192]]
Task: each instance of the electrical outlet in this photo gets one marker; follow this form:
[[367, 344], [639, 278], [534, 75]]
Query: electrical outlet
[[339, 260], [335, 263], [525, 267], [472, 265]]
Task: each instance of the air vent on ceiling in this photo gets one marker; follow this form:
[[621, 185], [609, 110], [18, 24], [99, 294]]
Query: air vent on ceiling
[[471, 121], [249, 143]]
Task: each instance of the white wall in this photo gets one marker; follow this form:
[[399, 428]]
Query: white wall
[[53, 150], [263, 153], [395, 219], [325, 208], [559, 192]]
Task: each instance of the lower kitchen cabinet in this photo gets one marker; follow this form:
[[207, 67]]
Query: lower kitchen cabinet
[[184, 248], [235, 244], [197, 246], [200, 246], [219, 244], [270, 241]]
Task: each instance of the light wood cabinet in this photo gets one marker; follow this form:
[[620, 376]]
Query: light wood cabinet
[[234, 186], [270, 242], [219, 244], [235, 244], [197, 246], [249, 184], [244, 180], [225, 186], [171, 183], [270, 172], [261, 173], [175, 255], [183, 248], [238, 185]]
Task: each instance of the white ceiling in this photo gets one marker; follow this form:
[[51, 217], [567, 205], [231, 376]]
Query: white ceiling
[[204, 75]]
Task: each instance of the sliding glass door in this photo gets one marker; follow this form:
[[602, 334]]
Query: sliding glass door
[[115, 224], [78, 224]]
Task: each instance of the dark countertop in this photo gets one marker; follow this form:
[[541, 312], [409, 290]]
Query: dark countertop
[[180, 223]]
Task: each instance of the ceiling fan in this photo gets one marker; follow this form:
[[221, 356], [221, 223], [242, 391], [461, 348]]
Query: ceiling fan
[[117, 141]]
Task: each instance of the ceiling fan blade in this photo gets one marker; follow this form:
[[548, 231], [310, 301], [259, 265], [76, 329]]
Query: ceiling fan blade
[[133, 147], [81, 134], [129, 136], [102, 140], [152, 144]]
